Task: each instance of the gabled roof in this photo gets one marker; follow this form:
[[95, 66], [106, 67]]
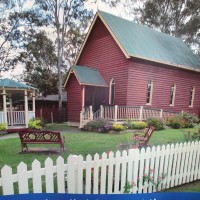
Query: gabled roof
[[87, 76], [8, 83], [136, 40]]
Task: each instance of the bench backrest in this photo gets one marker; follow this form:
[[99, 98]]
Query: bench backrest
[[149, 133], [40, 136]]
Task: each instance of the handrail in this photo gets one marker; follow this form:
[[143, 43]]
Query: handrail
[[121, 113], [97, 114]]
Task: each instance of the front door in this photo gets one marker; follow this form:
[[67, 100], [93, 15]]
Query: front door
[[94, 96]]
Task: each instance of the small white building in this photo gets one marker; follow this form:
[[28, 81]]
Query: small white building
[[11, 91]]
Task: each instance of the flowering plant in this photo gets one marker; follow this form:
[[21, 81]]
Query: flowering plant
[[150, 178], [105, 128], [118, 127], [146, 178]]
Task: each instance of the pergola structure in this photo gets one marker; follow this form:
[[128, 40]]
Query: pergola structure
[[14, 115]]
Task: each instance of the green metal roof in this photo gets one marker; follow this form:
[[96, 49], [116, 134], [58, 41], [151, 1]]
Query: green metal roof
[[89, 76], [8, 83], [143, 42]]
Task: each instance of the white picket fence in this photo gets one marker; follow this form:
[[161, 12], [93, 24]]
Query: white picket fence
[[166, 166]]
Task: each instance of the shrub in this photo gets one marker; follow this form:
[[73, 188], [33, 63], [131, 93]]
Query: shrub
[[183, 120], [138, 125], [2, 126], [118, 127], [175, 122], [127, 124], [101, 125], [189, 119], [35, 123], [158, 123]]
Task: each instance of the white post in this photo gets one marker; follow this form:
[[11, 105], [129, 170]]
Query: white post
[[91, 113], [161, 113], [182, 112], [5, 108], [81, 120], [101, 112], [26, 107], [11, 113], [83, 97], [141, 111], [115, 116]]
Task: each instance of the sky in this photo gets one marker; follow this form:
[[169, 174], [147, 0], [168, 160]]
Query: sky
[[13, 74]]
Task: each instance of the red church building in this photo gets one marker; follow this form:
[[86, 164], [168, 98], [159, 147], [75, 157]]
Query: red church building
[[127, 64]]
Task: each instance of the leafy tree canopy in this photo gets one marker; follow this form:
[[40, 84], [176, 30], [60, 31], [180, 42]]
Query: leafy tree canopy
[[40, 64]]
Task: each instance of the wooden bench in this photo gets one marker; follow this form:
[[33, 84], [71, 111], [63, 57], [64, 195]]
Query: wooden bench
[[40, 137], [142, 138]]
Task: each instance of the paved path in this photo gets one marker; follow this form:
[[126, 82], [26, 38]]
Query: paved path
[[15, 135]]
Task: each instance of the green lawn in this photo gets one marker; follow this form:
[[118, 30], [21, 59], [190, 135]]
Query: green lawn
[[84, 143]]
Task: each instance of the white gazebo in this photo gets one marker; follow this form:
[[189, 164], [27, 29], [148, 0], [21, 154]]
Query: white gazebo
[[14, 115]]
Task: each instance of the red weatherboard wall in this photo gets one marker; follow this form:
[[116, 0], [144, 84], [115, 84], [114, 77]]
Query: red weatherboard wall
[[163, 77], [74, 99], [102, 52]]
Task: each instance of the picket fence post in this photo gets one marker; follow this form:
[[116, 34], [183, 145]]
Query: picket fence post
[[72, 174], [6, 174], [22, 178]]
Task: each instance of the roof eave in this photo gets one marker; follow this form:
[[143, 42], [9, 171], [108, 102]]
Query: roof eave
[[86, 38], [71, 72], [167, 63], [91, 84]]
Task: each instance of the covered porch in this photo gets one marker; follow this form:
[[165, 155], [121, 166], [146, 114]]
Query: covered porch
[[120, 114], [15, 111]]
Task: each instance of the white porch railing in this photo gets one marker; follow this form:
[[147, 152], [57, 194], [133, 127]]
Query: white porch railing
[[16, 117], [86, 115], [166, 166], [122, 113]]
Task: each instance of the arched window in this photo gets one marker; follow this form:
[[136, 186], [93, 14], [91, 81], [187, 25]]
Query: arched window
[[149, 92], [192, 92], [172, 95], [112, 92]]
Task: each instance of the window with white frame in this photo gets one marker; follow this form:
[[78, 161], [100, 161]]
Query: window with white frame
[[172, 95], [112, 92], [149, 92], [192, 93]]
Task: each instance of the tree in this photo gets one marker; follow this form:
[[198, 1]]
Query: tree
[[40, 64], [180, 18], [68, 19], [9, 34]]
